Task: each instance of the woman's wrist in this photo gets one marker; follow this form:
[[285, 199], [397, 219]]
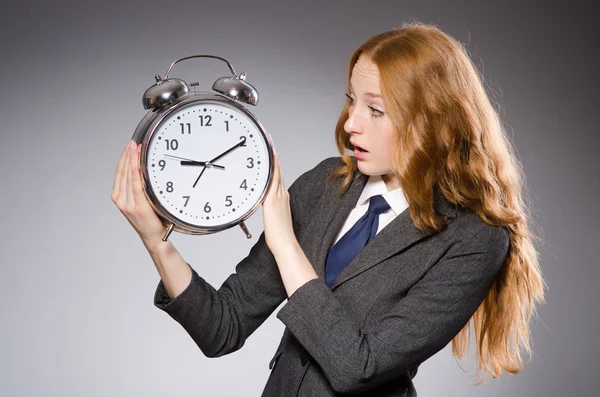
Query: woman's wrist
[[156, 246]]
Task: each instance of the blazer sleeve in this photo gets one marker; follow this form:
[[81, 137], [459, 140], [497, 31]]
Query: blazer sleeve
[[219, 321], [414, 328]]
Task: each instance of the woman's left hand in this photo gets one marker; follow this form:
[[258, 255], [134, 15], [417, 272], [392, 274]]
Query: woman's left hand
[[277, 215]]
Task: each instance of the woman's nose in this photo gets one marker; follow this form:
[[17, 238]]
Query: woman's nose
[[353, 123]]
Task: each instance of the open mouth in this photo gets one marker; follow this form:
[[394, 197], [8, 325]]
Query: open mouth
[[360, 149]]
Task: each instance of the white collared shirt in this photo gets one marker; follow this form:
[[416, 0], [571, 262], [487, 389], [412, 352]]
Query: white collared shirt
[[375, 186]]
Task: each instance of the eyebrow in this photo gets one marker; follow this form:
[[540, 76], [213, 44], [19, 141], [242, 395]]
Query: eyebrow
[[369, 94]]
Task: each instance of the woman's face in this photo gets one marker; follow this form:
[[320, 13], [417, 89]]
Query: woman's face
[[369, 125]]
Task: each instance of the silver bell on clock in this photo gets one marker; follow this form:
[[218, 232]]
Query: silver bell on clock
[[206, 161]]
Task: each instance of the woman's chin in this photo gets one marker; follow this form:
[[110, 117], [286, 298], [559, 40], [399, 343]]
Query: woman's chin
[[366, 168]]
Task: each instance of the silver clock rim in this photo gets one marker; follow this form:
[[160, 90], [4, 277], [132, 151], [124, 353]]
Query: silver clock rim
[[145, 132]]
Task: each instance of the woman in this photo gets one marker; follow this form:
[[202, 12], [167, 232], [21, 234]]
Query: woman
[[386, 256]]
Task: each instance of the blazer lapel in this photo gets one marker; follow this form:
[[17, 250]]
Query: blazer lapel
[[333, 215], [393, 238]]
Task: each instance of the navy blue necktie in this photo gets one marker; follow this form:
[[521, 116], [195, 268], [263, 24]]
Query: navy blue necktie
[[363, 231]]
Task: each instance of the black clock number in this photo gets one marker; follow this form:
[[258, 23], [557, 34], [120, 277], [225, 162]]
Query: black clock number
[[251, 162], [205, 121], [243, 138], [162, 164], [207, 208], [172, 144], [187, 198], [170, 187], [243, 185], [189, 128], [226, 125], [228, 201]]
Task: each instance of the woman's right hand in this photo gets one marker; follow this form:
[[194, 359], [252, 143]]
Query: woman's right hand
[[128, 195]]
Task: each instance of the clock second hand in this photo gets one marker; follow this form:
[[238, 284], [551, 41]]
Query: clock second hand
[[242, 142], [197, 179]]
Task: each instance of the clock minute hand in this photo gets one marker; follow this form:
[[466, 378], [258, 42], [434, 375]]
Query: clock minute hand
[[242, 142], [209, 163]]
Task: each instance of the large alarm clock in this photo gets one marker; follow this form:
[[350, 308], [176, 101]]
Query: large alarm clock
[[206, 161]]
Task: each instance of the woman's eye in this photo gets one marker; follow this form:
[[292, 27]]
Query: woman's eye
[[350, 98], [376, 112]]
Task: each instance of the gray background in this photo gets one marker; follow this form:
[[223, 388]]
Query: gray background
[[77, 284]]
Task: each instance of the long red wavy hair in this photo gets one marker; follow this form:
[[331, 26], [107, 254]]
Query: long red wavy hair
[[449, 135]]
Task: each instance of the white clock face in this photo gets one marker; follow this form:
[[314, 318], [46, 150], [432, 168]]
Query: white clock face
[[186, 181]]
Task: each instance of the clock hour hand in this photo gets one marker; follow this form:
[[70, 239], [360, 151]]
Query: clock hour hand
[[201, 163], [193, 162]]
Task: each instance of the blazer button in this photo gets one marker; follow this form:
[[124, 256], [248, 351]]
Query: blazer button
[[304, 360]]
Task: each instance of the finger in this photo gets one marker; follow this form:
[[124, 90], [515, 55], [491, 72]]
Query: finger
[[123, 186], [279, 175], [132, 156], [138, 193], [275, 172], [117, 181]]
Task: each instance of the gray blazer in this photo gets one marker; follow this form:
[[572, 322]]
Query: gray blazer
[[400, 300]]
